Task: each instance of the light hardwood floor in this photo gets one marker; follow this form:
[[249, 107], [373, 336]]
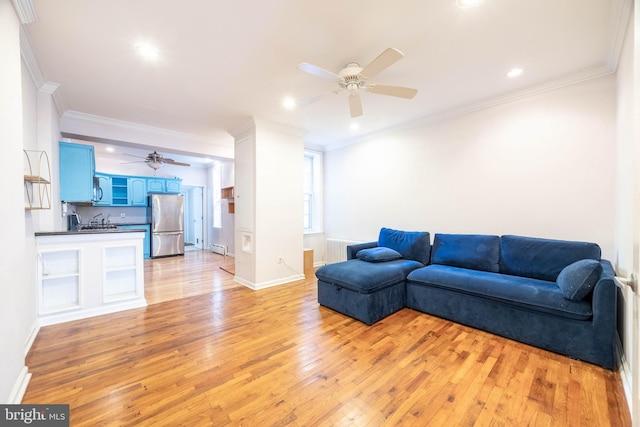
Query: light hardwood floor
[[207, 351]]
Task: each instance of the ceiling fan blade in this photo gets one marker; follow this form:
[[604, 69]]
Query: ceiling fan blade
[[384, 60], [355, 105], [319, 72], [135, 155], [399, 91], [173, 162]]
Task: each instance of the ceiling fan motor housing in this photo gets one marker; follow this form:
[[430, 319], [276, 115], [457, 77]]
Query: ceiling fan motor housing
[[351, 79]]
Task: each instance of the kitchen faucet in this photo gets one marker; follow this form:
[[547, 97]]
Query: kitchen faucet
[[94, 219]]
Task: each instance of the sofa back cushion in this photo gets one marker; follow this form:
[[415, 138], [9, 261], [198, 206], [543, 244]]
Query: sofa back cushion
[[414, 245], [542, 258], [474, 251]]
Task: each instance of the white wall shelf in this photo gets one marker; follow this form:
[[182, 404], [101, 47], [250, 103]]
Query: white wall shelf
[[37, 180]]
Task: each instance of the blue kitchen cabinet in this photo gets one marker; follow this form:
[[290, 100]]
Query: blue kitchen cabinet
[[137, 191], [173, 185], [146, 244], [77, 169], [119, 191], [104, 195], [156, 185]]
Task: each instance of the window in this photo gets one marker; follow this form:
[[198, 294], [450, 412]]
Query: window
[[312, 192], [308, 193]]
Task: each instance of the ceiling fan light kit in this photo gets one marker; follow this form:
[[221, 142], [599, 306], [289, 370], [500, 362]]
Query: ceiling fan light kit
[[352, 78]]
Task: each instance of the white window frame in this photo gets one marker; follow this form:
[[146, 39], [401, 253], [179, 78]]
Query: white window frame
[[316, 209]]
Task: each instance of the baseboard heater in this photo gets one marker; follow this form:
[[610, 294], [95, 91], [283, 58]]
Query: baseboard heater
[[219, 249], [336, 250]]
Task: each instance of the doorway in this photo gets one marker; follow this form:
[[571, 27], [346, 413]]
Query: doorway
[[193, 217]]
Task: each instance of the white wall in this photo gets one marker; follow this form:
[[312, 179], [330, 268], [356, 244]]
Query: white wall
[[628, 208], [268, 189], [279, 203], [542, 166], [16, 308]]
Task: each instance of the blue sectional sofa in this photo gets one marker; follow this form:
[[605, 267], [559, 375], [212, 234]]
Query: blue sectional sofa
[[554, 294]]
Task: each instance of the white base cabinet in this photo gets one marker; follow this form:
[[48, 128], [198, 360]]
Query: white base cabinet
[[84, 275]]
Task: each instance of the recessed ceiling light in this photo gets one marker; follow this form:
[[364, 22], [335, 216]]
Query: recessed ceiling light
[[110, 149], [289, 103], [515, 72], [354, 126], [147, 51], [467, 3]]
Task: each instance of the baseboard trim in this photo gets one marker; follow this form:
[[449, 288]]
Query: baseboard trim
[[20, 387], [625, 374], [33, 333], [269, 284], [53, 319]]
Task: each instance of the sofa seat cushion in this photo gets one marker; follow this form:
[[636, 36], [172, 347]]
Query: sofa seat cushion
[[542, 259], [532, 294], [367, 277]]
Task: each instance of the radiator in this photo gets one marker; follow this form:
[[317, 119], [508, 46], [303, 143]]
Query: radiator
[[219, 249], [337, 250]]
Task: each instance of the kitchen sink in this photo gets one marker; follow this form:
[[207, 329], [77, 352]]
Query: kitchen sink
[[100, 227]]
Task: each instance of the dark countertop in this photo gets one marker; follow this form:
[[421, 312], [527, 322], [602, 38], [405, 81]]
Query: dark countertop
[[93, 231]]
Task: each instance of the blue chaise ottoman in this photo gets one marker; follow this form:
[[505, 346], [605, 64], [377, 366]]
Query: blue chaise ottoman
[[371, 284]]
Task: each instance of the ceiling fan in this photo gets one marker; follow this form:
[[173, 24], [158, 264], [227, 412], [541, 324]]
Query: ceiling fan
[[155, 160], [352, 78]]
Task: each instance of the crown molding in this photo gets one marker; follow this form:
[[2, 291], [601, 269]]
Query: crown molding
[[278, 127], [106, 121], [564, 81], [29, 58], [55, 90], [620, 15], [26, 11]]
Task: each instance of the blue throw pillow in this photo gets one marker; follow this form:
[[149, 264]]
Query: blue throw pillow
[[415, 245], [378, 254], [577, 280]]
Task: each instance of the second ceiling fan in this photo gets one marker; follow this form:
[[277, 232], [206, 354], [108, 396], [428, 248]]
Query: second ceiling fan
[[352, 78], [155, 160]]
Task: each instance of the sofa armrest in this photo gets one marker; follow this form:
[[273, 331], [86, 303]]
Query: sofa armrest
[[604, 305], [352, 250]]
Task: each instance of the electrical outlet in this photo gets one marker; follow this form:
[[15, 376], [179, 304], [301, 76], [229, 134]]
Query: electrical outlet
[[122, 215], [280, 259]]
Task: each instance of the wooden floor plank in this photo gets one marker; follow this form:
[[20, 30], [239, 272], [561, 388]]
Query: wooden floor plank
[[208, 351]]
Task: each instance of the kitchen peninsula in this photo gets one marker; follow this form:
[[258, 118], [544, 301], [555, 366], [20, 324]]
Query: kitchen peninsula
[[89, 273]]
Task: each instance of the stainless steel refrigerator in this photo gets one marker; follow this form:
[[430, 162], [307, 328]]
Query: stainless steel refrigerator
[[166, 213]]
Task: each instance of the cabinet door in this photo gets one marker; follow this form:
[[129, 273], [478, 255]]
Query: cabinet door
[[156, 185], [77, 169], [146, 244], [104, 195], [137, 191], [173, 185]]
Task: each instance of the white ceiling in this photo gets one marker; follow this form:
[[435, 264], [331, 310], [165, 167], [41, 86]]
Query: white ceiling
[[222, 62]]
